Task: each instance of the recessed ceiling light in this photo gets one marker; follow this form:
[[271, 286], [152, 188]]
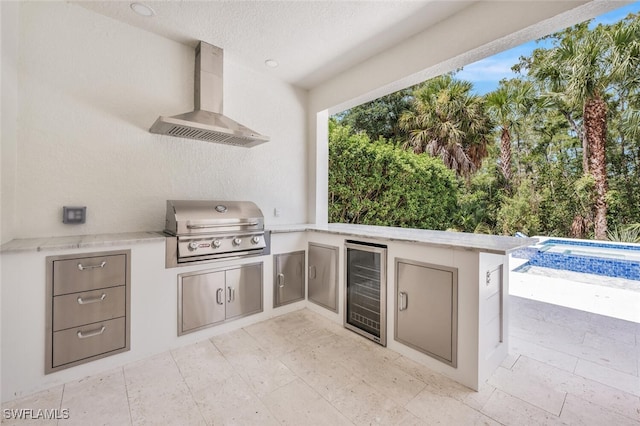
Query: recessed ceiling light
[[142, 9], [271, 63]]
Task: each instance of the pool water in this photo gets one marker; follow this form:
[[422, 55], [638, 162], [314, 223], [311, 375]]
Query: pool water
[[599, 258]]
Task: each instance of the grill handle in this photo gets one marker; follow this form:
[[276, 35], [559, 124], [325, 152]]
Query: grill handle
[[222, 225]]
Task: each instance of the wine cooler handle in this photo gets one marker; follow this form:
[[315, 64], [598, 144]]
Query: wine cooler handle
[[402, 301]]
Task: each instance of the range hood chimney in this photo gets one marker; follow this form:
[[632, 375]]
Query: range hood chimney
[[206, 122]]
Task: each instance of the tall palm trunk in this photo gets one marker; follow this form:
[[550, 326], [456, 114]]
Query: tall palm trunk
[[505, 154], [595, 126]]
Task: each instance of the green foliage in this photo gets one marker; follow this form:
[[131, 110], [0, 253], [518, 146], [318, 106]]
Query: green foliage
[[448, 121], [584, 190], [538, 116], [375, 183], [625, 234], [520, 212], [380, 117], [479, 200]]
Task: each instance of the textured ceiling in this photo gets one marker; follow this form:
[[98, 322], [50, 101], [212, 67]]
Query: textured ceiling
[[311, 40]]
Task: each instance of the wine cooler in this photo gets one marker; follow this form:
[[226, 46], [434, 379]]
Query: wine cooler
[[366, 289]]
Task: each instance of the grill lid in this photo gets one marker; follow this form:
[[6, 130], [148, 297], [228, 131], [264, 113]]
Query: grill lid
[[194, 217]]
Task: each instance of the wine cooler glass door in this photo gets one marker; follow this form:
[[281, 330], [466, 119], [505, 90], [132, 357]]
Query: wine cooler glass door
[[365, 311]]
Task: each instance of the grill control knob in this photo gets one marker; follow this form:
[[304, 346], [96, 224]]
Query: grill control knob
[[237, 241], [255, 240], [215, 243], [193, 245]]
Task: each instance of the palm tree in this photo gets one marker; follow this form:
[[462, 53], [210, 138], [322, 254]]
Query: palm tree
[[501, 104], [508, 105], [583, 65], [449, 122]]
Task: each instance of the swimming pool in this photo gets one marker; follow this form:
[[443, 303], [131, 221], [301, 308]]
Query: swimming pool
[[600, 258]]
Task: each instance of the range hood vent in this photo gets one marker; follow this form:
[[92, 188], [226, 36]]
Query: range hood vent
[[206, 122]]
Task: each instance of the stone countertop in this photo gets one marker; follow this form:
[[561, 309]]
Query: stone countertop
[[497, 244], [79, 241], [457, 240]]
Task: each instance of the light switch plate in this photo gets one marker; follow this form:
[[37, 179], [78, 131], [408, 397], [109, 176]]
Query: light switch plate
[[74, 215]]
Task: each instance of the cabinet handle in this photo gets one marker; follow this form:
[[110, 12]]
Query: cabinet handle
[[402, 301], [281, 280], [231, 291], [91, 333], [219, 300], [88, 300], [84, 268], [312, 272]]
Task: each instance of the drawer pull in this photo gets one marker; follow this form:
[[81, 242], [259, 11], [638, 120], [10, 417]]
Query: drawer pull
[[88, 300], [92, 333], [83, 268]]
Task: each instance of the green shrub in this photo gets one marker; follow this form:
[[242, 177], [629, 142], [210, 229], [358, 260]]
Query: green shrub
[[375, 183]]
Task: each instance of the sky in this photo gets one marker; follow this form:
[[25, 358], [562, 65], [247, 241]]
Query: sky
[[486, 73]]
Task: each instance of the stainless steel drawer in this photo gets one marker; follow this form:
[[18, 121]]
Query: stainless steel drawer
[[87, 341], [76, 309], [88, 273]]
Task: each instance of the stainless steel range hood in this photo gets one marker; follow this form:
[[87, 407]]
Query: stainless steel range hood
[[207, 123]]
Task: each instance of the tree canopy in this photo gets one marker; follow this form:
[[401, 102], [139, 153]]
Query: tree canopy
[[555, 151]]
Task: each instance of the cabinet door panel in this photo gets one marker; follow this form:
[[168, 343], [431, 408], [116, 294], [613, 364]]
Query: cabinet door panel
[[244, 290], [322, 276], [289, 278], [426, 310], [203, 300]]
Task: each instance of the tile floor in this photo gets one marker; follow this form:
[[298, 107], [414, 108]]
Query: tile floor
[[565, 367]]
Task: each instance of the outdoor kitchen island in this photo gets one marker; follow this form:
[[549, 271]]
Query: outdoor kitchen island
[[481, 263], [479, 321]]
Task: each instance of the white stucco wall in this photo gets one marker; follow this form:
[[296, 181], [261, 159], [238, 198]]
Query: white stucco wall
[[89, 88], [8, 116]]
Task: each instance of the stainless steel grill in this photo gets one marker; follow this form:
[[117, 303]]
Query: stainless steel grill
[[207, 230]]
